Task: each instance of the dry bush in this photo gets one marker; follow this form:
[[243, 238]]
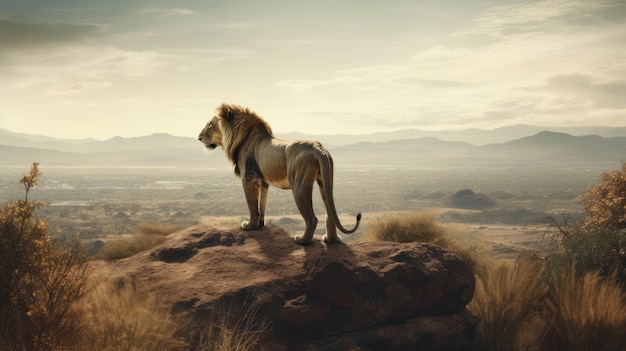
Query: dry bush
[[586, 313], [121, 318], [149, 236], [409, 227], [39, 281], [424, 227], [507, 297]]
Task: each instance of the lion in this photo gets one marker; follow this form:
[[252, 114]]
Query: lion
[[261, 160]]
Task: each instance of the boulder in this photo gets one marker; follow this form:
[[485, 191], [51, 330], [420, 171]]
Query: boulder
[[362, 296]]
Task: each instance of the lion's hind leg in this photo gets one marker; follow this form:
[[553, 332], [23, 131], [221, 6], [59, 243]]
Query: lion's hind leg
[[304, 201], [331, 236]]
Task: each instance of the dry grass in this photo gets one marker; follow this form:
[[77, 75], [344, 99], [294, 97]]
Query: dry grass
[[586, 313], [424, 227], [409, 227], [121, 319], [507, 296], [148, 236], [158, 229], [239, 328]]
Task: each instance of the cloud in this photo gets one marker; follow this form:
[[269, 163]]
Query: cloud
[[77, 87], [300, 85], [502, 21], [167, 12], [128, 63], [584, 89], [19, 34]]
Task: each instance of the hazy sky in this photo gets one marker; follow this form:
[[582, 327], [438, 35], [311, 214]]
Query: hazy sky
[[93, 68]]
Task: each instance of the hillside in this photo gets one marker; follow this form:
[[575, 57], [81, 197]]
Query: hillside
[[471, 136], [545, 148]]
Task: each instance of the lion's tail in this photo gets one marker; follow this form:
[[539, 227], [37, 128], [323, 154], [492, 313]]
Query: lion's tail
[[326, 170]]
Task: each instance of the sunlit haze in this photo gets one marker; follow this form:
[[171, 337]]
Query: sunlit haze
[[97, 69]]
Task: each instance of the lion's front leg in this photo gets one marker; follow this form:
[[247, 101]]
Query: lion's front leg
[[253, 191], [263, 202]]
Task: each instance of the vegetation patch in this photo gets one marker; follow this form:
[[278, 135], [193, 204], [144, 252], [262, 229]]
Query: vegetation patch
[[424, 227], [148, 237]]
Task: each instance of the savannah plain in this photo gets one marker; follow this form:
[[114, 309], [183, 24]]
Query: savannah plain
[[100, 204]]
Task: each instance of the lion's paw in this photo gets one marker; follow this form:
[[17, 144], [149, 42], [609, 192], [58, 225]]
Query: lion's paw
[[301, 241], [246, 225], [335, 240]]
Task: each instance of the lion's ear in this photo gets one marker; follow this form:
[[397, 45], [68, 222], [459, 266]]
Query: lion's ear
[[225, 112]]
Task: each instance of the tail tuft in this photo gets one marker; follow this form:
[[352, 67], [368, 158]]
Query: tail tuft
[[358, 217]]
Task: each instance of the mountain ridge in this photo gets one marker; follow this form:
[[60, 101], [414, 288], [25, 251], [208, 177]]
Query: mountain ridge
[[546, 148]]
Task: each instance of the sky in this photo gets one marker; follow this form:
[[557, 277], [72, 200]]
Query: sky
[[98, 69]]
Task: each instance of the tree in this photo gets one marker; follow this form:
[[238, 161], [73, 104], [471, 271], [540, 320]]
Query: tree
[[605, 203], [39, 281], [598, 243]]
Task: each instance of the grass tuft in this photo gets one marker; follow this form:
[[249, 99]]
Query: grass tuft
[[119, 318], [507, 296], [409, 227], [239, 328], [586, 313], [424, 227]]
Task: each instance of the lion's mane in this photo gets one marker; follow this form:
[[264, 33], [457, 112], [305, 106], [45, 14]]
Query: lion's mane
[[240, 128]]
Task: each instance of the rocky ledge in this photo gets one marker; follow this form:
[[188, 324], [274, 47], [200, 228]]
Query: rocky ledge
[[363, 296]]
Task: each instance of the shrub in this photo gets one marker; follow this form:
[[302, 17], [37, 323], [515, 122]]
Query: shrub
[[586, 313], [605, 203], [597, 243], [409, 227], [39, 282], [507, 296], [424, 227]]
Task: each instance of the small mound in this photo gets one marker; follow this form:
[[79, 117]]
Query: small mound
[[201, 195], [468, 200]]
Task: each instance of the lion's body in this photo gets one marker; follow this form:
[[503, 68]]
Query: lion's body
[[262, 160]]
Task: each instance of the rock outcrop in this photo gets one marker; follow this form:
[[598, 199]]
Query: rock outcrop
[[364, 296], [469, 200]]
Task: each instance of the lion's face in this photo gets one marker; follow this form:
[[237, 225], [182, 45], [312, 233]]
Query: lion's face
[[211, 136]]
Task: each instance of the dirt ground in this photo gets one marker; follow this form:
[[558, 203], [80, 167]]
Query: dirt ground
[[505, 241]]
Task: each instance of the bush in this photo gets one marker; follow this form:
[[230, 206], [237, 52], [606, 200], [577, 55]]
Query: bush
[[39, 282], [507, 296], [586, 313], [424, 227], [597, 243], [410, 227], [605, 203]]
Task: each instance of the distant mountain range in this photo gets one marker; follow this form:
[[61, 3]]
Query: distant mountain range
[[519, 146]]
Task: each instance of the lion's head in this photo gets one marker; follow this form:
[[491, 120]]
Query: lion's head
[[231, 127], [211, 135]]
